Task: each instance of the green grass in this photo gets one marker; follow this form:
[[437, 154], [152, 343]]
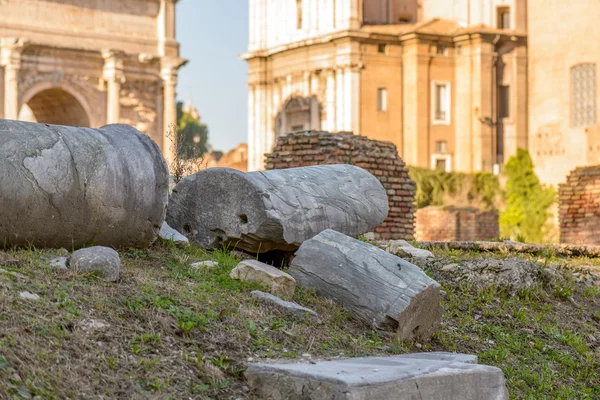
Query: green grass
[[175, 332]]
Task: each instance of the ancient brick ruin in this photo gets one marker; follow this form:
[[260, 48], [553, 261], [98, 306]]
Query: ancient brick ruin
[[379, 158], [450, 224], [579, 206]]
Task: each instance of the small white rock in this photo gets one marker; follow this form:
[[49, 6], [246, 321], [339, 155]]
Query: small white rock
[[204, 264], [29, 296], [93, 324], [59, 263]]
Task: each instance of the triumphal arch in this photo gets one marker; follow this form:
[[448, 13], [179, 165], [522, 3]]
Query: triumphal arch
[[90, 63]]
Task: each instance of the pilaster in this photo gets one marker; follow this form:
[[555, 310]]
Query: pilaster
[[11, 50], [330, 100], [113, 74], [169, 75]]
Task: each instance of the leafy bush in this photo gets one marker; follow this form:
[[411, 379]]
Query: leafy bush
[[439, 188]]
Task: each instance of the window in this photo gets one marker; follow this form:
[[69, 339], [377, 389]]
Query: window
[[441, 102], [503, 101], [583, 95], [299, 14], [440, 49], [441, 146], [440, 164], [459, 49], [503, 18], [381, 99], [381, 48]]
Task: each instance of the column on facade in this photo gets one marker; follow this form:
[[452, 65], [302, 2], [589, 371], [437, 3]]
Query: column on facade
[[114, 76], [330, 100], [416, 103], [272, 106], [252, 147], [518, 104], [352, 99], [10, 59], [261, 123], [315, 107], [306, 81], [167, 45], [169, 68], [463, 113], [483, 146], [340, 106]]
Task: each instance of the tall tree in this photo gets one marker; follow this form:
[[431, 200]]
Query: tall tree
[[191, 134], [528, 202]]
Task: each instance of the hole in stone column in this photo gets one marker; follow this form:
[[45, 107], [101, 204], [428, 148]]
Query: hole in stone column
[[243, 218], [416, 330], [187, 228]]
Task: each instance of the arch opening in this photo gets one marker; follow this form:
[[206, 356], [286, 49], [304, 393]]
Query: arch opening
[[298, 114], [55, 106]]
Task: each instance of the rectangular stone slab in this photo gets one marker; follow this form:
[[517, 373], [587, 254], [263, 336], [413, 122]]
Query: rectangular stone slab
[[431, 376]]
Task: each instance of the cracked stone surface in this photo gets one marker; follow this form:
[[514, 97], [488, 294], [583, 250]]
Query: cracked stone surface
[[376, 287], [431, 376], [277, 209], [104, 260], [65, 187]]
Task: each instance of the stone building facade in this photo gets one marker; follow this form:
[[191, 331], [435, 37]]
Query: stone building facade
[[90, 63], [445, 81], [564, 92]]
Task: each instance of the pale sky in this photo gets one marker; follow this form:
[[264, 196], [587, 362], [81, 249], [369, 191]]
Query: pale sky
[[212, 34]]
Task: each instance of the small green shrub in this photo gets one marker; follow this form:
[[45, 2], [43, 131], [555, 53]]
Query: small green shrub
[[528, 202]]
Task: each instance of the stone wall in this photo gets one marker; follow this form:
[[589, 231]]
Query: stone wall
[[379, 158], [579, 206], [450, 224]]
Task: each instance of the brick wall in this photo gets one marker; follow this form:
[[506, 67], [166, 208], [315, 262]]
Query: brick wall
[[579, 206], [450, 224], [381, 159]]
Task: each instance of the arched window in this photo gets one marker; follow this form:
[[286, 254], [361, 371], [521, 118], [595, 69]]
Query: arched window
[[583, 95], [299, 14]]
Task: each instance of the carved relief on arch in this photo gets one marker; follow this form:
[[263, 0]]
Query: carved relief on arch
[[139, 105], [85, 89]]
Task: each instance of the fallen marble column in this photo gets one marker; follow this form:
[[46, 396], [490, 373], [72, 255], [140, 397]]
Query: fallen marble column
[[378, 288], [277, 209], [432, 376], [64, 186]]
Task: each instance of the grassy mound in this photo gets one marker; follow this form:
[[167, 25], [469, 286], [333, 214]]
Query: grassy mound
[[174, 332]]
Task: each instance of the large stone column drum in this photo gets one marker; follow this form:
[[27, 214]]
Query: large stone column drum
[[68, 187], [278, 209]]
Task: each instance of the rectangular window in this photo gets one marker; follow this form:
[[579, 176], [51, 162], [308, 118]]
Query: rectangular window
[[441, 164], [440, 49], [381, 48], [503, 101], [299, 14], [441, 102], [503, 18], [584, 95], [441, 147], [381, 99]]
